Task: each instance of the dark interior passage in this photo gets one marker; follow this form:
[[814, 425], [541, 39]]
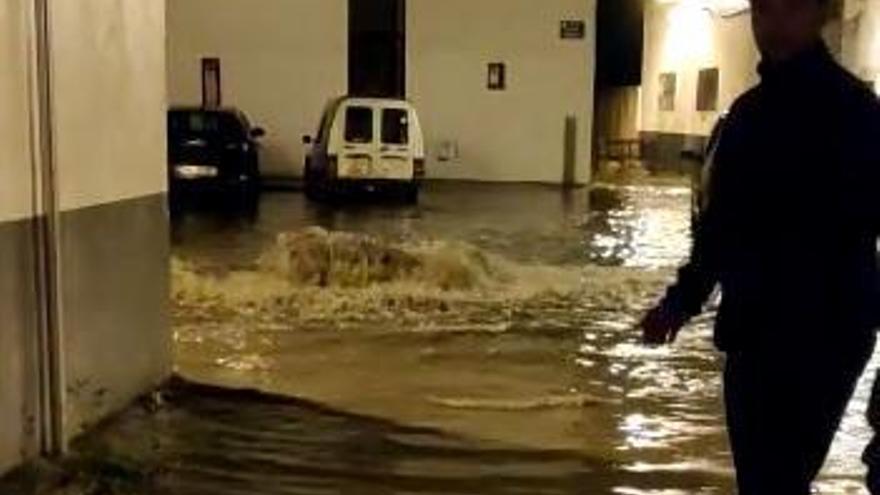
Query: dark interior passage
[[377, 48]]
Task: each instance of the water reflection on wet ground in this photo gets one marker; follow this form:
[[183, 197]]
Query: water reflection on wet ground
[[490, 331]]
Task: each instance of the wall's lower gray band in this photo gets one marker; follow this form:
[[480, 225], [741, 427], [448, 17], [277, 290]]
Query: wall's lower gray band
[[117, 342], [115, 305], [19, 373], [662, 151]]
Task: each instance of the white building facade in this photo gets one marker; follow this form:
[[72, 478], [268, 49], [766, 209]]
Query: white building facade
[[283, 60], [686, 40]]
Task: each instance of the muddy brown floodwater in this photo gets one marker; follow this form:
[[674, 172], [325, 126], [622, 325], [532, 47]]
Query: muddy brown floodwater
[[499, 314]]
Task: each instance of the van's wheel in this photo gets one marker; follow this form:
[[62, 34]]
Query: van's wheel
[[310, 185], [311, 191], [318, 191]]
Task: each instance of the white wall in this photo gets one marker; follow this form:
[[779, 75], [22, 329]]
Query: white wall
[[281, 61], [514, 135], [109, 102], [109, 85], [684, 38], [16, 191]]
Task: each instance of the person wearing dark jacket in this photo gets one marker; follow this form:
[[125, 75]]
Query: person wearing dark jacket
[[789, 234]]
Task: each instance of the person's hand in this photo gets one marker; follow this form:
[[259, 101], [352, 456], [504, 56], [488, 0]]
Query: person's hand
[[660, 326]]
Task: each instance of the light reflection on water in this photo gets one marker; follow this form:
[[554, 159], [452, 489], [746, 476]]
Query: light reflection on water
[[640, 228], [550, 366]]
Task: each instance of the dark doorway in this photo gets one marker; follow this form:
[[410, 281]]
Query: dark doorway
[[619, 42], [377, 48], [619, 55]]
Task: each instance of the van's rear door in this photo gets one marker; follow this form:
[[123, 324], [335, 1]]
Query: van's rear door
[[360, 148], [395, 159]]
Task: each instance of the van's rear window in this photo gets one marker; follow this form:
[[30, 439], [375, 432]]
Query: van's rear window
[[395, 126], [359, 125]]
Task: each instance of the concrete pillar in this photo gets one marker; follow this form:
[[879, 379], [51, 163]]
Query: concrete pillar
[[105, 112]]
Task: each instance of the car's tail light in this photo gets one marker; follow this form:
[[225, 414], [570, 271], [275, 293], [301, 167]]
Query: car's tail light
[[419, 168], [245, 147]]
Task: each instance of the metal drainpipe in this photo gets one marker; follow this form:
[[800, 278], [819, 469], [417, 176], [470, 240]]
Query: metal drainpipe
[[48, 240]]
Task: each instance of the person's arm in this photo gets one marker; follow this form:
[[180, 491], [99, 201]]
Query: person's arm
[[698, 278], [695, 284], [874, 158]]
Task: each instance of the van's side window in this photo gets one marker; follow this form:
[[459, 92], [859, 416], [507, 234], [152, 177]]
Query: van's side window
[[359, 125], [395, 126]]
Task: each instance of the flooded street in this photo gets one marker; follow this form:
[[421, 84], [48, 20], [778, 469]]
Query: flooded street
[[498, 315]]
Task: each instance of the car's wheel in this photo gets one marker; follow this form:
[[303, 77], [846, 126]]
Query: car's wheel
[[311, 190], [244, 195], [411, 193]]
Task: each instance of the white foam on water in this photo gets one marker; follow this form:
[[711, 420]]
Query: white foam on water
[[338, 278], [573, 401]]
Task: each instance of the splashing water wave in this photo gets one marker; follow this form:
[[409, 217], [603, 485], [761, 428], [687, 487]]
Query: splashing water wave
[[319, 279]]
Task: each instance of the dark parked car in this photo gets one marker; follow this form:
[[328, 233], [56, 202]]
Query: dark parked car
[[215, 149]]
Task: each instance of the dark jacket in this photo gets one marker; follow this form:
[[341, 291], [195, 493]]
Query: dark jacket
[[790, 230]]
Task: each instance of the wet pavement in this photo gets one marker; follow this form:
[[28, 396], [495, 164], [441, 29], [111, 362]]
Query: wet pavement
[[481, 342]]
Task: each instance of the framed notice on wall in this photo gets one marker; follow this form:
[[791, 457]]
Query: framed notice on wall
[[573, 30], [707, 90], [497, 77], [668, 89], [212, 93]]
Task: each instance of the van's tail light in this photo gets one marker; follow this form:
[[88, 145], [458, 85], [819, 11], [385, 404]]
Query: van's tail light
[[419, 168]]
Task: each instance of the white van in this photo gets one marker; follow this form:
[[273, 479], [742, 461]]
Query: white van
[[368, 144]]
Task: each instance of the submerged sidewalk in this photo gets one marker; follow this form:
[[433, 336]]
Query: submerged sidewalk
[[206, 440]]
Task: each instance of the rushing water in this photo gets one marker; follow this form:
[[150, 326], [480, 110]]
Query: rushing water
[[494, 313]]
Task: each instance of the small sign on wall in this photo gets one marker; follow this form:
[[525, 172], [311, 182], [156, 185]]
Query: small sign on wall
[[212, 93], [708, 89], [668, 90], [573, 30], [497, 77]]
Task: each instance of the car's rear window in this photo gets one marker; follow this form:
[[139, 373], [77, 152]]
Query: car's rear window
[[205, 124], [359, 125], [395, 126]]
